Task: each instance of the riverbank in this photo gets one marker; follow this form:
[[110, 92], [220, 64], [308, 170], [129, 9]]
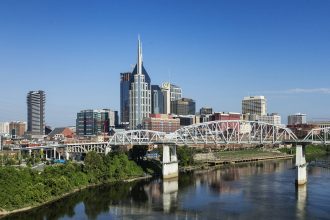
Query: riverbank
[[312, 151], [24, 188], [215, 159], [4, 213]]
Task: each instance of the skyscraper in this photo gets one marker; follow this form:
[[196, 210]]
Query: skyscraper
[[166, 90], [176, 92], [139, 93], [171, 93], [125, 80], [36, 112]]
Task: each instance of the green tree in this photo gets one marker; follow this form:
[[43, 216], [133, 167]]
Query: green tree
[[137, 153], [94, 167]]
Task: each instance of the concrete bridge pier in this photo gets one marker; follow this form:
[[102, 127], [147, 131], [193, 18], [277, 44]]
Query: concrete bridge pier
[[301, 165], [170, 161], [107, 150], [67, 155]]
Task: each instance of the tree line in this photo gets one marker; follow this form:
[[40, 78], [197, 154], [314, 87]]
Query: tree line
[[24, 187]]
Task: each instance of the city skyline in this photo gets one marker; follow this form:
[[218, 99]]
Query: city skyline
[[279, 51]]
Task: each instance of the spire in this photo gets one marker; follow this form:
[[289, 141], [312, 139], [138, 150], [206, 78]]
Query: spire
[[140, 59]]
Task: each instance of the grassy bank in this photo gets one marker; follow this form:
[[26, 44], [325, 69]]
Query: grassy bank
[[24, 187], [189, 157], [310, 150]]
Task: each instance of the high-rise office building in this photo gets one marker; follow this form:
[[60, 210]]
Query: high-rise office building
[[139, 93], [125, 81], [297, 119], [157, 100], [183, 106], [171, 93], [254, 105], [176, 92], [36, 112], [166, 90], [95, 122]]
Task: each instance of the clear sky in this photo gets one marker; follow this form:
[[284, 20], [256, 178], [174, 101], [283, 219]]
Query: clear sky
[[218, 51]]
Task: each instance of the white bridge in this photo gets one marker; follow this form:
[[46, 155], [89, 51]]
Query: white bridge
[[210, 133], [214, 133]]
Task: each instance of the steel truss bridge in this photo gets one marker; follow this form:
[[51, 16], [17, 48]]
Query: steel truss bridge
[[214, 133], [318, 136], [210, 133]]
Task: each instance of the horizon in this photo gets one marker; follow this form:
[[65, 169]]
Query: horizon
[[218, 52]]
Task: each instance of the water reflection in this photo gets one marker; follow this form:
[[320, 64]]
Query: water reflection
[[301, 195], [250, 191], [170, 194]]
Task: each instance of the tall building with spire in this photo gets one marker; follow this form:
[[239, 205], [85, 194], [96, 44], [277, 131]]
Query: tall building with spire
[[139, 93]]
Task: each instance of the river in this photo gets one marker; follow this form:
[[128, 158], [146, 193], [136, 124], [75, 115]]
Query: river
[[264, 190]]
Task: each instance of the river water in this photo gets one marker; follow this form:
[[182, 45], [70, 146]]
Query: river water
[[264, 190]]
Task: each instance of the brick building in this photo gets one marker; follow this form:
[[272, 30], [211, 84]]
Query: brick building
[[161, 122]]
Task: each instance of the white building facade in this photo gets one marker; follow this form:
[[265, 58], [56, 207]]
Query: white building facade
[[254, 105], [139, 94], [274, 119]]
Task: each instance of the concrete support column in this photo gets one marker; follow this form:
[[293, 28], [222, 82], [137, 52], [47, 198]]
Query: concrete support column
[[46, 154], [107, 150], [30, 152], [54, 156], [67, 156], [170, 162], [301, 165]]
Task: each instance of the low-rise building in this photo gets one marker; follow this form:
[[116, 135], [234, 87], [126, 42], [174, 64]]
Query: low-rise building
[[320, 124], [302, 130], [274, 119], [222, 116], [60, 134], [186, 120], [206, 111], [161, 122]]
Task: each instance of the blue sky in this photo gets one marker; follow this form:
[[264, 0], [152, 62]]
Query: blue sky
[[218, 51]]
